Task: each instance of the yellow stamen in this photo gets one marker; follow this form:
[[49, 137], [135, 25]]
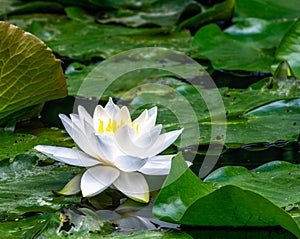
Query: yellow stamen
[[101, 126], [112, 126], [137, 128]]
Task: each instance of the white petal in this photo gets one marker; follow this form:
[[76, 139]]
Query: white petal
[[158, 165], [163, 142], [100, 114], [152, 114], [111, 109], [128, 142], [125, 138], [88, 129], [147, 139], [96, 179], [142, 118], [84, 115], [133, 185], [75, 119], [77, 135], [149, 122], [67, 155], [106, 147], [128, 163], [123, 115]]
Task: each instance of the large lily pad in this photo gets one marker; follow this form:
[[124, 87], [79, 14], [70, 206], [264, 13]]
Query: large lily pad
[[30, 74], [185, 199]]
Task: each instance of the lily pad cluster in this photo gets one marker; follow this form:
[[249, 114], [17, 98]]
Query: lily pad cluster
[[249, 47]]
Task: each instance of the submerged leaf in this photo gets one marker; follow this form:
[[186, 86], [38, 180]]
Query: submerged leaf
[[30, 74]]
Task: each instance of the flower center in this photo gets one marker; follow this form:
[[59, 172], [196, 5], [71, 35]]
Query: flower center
[[113, 126]]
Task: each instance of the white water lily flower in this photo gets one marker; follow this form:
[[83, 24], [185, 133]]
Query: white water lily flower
[[115, 150]]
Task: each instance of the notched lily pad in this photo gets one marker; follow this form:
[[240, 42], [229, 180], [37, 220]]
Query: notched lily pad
[[185, 199], [283, 176], [30, 73]]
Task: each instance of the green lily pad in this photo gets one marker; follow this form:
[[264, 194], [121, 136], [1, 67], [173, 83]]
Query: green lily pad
[[21, 7], [258, 32], [30, 74], [46, 226], [159, 13], [185, 199], [281, 175], [289, 49], [219, 12], [28, 227], [20, 143], [96, 40], [267, 9], [27, 187], [224, 52], [151, 82], [130, 4]]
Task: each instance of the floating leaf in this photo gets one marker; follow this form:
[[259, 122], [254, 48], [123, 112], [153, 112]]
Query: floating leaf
[[185, 199], [29, 186], [260, 33], [30, 74], [159, 13], [152, 82], [289, 49], [267, 9], [28, 227], [20, 143], [225, 52], [219, 12], [283, 176], [96, 40]]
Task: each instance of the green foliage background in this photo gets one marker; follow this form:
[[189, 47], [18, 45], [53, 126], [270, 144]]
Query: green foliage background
[[241, 44]]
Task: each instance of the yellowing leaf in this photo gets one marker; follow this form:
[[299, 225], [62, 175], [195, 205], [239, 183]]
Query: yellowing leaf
[[29, 73]]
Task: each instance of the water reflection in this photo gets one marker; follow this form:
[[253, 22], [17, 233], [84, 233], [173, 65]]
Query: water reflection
[[250, 155]]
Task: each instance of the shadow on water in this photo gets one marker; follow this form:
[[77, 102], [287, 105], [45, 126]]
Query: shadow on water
[[250, 156]]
